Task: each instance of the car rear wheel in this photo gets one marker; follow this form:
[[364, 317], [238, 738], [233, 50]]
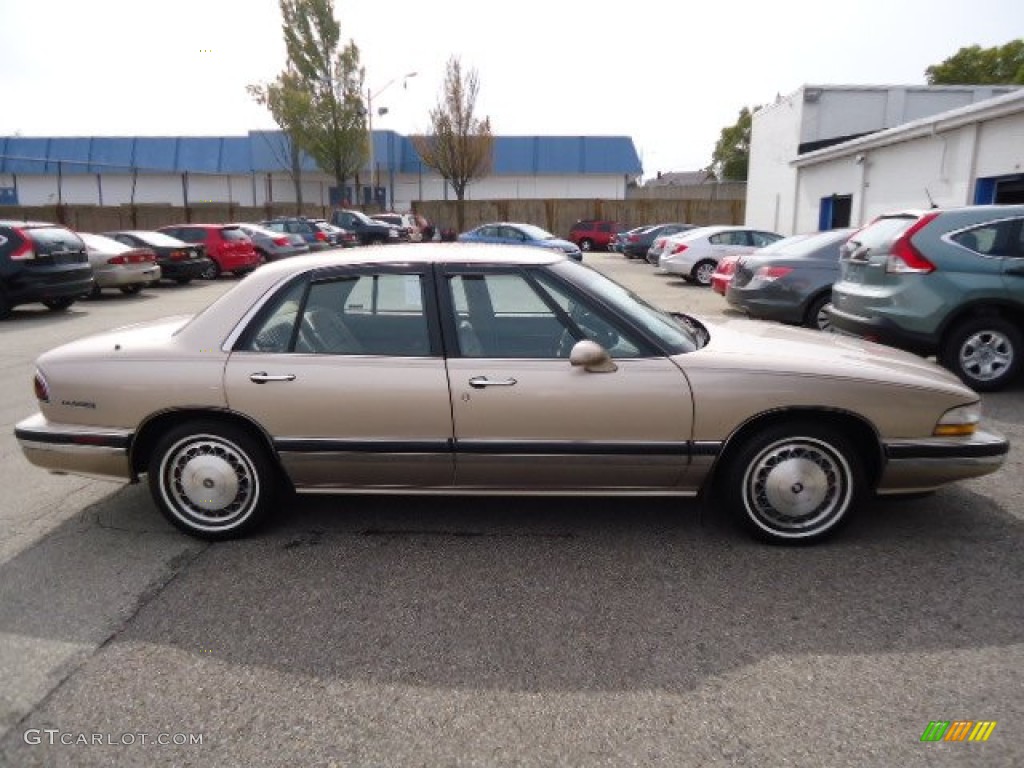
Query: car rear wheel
[[183, 280], [702, 272], [793, 483], [586, 244], [816, 316], [212, 272], [131, 290], [59, 305], [985, 352], [5, 306], [211, 480]]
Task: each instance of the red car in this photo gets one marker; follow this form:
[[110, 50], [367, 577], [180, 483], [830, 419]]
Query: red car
[[229, 248], [590, 234], [723, 273]]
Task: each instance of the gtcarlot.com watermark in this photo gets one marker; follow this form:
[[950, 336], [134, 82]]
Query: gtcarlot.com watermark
[[57, 737]]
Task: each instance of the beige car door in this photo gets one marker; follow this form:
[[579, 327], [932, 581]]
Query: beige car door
[[524, 417], [346, 374]]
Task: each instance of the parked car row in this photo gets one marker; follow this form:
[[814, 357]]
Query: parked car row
[[947, 283]]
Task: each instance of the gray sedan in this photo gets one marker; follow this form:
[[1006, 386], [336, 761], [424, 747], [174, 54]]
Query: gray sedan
[[273, 245], [791, 284]]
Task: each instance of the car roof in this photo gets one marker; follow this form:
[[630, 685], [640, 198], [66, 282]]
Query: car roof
[[420, 253]]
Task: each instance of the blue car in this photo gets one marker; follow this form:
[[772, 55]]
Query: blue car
[[505, 233]]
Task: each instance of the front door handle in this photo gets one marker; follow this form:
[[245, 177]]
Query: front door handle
[[263, 377], [479, 382]]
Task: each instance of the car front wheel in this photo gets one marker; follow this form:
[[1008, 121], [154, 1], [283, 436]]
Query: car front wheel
[[793, 483], [212, 272], [984, 352], [586, 244], [212, 481], [702, 272]]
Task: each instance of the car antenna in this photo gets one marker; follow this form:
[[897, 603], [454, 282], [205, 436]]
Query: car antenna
[[930, 200]]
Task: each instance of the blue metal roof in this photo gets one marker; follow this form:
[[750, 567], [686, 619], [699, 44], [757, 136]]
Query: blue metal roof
[[268, 151]]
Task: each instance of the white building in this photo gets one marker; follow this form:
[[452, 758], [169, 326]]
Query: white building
[[252, 170], [829, 156]]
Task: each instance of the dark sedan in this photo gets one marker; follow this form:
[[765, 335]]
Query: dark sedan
[[636, 243], [178, 260], [791, 283]]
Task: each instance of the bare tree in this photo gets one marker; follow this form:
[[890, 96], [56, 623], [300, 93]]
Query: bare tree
[[460, 145]]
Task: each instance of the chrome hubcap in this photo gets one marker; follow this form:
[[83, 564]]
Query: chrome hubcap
[[704, 273], [797, 487], [986, 355], [209, 481]]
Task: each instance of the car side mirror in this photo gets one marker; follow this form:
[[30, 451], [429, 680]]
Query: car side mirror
[[592, 357]]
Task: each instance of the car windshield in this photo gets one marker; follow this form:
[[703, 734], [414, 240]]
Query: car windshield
[[158, 239], [104, 244], [535, 233], [676, 337]]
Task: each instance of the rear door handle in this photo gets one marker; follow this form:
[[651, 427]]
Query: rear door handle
[[1017, 271], [479, 382], [263, 377]]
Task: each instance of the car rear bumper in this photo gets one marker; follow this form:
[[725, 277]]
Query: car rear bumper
[[178, 270], [922, 465], [74, 449], [116, 277], [758, 304], [882, 330], [29, 285]]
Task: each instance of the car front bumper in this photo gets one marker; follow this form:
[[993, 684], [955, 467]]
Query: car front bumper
[[923, 465]]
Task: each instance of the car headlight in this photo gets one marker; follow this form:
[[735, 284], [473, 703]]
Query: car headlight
[[960, 421]]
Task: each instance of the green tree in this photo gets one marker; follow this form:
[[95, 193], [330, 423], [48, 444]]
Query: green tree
[[460, 145], [731, 157], [318, 98], [974, 65]]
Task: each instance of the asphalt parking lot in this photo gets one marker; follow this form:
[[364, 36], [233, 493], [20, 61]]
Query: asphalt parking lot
[[384, 631]]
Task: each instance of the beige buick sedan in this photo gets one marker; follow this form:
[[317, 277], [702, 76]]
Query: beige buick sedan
[[470, 369]]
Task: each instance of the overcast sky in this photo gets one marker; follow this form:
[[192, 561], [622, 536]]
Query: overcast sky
[[668, 74]]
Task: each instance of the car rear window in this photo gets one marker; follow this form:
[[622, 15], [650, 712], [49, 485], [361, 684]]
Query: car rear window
[[883, 231], [50, 240], [234, 234]]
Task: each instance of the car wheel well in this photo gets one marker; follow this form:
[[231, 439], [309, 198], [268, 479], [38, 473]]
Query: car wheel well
[[970, 312], [855, 428], [146, 439]]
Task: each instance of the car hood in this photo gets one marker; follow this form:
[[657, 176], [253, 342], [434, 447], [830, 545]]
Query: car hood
[[748, 347], [138, 340]]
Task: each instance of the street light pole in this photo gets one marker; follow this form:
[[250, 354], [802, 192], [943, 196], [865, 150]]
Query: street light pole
[[370, 96]]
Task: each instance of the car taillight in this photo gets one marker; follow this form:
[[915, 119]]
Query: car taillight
[[280, 241], [678, 248], [321, 236], [41, 388], [903, 257], [117, 260], [25, 251], [179, 255], [768, 274]]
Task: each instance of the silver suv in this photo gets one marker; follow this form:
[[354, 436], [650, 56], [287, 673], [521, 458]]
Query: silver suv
[[945, 282]]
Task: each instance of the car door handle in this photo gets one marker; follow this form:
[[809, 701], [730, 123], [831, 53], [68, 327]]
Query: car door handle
[[1016, 271], [263, 377], [479, 382]]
